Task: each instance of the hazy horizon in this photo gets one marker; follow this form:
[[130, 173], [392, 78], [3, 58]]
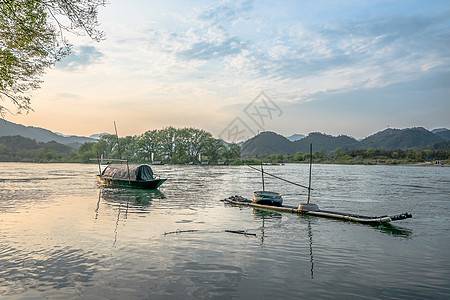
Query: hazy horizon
[[239, 67]]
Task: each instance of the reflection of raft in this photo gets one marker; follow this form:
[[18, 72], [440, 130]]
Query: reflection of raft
[[238, 200]]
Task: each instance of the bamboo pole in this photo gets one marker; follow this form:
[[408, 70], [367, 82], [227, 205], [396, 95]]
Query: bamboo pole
[[279, 177], [310, 168], [111, 159], [129, 178], [262, 176], [99, 166], [117, 136]]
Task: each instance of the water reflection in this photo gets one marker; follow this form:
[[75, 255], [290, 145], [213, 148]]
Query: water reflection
[[261, 214], [311, 256], [264, 215], [52, 247], [132, 197], [390, 229], [126, 201], [44, 269]]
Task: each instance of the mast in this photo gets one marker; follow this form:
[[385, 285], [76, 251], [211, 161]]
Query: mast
[[262, 176], [310, 168], [118, 143]]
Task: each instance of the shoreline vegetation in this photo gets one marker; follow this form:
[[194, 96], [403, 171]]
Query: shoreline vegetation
[[363, 157], [196, 146]]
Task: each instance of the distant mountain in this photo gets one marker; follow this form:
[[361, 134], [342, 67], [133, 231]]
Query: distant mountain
[[443, 133], [267, 143], [41, 135], [295, 137], [444, 145], [227, 144], [325, 141], [437, 130], [19, 148], [97, 136], [392, 139], [388, 139]]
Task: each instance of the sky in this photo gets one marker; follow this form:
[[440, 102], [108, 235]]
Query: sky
[[236, 68]]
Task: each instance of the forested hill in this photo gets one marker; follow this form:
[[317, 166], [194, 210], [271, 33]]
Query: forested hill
[[18, 148], [389, 139], [267, 143], [393, 139], [40, 134]]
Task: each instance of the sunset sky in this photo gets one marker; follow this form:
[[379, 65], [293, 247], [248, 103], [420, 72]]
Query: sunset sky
[[338, 67]]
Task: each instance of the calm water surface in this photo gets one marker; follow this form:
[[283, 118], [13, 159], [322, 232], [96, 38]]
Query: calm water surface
[[61, 236]]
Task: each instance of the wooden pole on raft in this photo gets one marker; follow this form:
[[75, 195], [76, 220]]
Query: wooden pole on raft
[[262, 175], [256, 169], [310, 168], [99, 165], [120, 154], [128, 169]]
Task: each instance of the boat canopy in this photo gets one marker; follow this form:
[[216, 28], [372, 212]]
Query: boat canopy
[[137, 172]]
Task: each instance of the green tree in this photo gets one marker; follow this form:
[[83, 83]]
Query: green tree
[[231, 152], [370, 153], [106, 146], [147, 144], [322, 153], [128, 147], [306, 156], [86, 151], [190, 142], [32, 39], [166, 141], [213, 148], [298, 156], [337, 153]]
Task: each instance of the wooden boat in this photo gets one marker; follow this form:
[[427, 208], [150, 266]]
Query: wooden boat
[[238, 200], [267, 198], [132, 176]]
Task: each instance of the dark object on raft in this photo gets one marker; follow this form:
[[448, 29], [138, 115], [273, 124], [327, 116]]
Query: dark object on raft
[[267, 198]]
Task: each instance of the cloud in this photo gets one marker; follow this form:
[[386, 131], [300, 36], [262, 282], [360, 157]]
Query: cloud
[[80, 58], [206, 50], [369, 53], [227, 12], [68, 96], [247, 47]]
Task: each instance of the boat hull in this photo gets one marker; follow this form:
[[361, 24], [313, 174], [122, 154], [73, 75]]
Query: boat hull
[[137, 184]]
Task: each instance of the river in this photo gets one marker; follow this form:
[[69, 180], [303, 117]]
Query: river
[[62, 236]]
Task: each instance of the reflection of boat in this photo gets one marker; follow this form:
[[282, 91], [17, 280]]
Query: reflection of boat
[[133, 176], [267, 198], [135, 197]]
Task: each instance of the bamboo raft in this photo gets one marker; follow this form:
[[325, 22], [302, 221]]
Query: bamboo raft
[[308, 208], [238, 200]]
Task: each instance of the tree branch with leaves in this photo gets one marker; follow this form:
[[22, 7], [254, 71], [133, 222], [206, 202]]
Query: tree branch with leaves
[[32, 39]]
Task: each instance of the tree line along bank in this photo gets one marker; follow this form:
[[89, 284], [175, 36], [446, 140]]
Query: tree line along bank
[[186, 145], [361, 156]]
